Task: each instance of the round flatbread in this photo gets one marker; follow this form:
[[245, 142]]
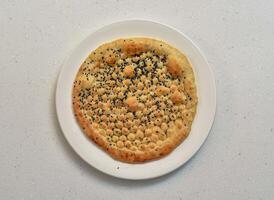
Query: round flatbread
[[136, 98]]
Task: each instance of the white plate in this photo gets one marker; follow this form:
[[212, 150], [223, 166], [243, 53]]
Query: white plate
[[97, 157]]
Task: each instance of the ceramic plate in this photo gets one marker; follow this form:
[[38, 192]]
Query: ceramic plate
[[96, 157]]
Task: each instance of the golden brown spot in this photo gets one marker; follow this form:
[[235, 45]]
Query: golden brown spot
[[132, 103], [173, 67], [129, 71], [162, 90], [177, 97]]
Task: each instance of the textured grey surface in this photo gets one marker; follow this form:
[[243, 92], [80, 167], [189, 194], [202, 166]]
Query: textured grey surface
[[236, 161]]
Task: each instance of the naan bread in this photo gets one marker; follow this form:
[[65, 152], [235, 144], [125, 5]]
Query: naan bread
[[135, 98]]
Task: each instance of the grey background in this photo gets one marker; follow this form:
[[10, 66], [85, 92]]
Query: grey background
[[236, 161]]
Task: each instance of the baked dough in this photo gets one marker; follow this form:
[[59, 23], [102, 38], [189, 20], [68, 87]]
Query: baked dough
[[135, 98]]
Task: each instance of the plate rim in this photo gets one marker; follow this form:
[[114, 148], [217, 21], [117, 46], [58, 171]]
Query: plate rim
[[213, 111]]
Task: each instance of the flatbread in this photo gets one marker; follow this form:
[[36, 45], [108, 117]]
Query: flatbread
[[135, 98]]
